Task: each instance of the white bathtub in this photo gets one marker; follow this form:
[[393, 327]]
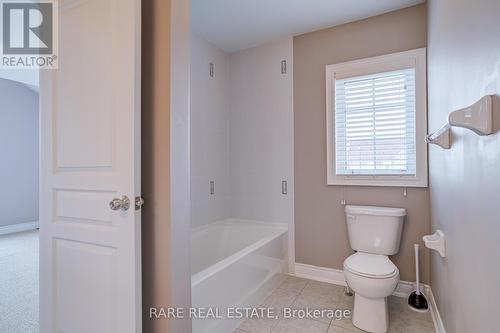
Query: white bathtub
[[234, 263]]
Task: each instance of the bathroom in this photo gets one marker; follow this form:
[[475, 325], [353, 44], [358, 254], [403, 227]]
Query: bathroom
[[252, 110], [268, 210], [237, 166]]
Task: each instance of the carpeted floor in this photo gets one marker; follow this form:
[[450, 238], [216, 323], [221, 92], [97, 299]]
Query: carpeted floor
[[19, 282]]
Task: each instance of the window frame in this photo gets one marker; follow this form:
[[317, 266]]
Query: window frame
[[395, 61]]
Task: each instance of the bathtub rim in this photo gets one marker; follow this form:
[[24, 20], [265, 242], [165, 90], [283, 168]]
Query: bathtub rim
[[279, 230]]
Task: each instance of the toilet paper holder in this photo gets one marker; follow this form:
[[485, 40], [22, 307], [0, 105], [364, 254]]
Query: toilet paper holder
[[436, 242]]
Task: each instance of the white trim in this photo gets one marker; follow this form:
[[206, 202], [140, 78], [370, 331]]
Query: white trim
[[323, 274], [10, 229], [336, 276], [414, 58], [436, 317], [178, 284], [291, 181], [404, 288]]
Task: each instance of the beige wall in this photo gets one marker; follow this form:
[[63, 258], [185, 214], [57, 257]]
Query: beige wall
[[166, 275], [321, 235], [155, 160], [463, 65]]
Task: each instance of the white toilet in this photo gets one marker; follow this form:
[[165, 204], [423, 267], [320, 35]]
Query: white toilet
[[375, 233]]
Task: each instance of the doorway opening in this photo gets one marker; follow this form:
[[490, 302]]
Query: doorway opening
[[19, 209]]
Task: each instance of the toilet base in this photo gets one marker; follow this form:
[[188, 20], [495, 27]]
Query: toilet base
[[371, 315]]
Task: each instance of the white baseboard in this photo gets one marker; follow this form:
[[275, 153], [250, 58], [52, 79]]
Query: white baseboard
[[436, 317], [405, 288], [336, 276], [9, 229], [323, 274]]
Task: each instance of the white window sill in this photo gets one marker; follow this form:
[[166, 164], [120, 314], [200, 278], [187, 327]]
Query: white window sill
[[385, 181]]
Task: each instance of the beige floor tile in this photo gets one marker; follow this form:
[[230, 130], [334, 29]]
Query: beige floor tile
[[293, 283], [280, 298], [405, 320], [259, 325], [300, 294], [327, 290], [345, 323], [339, 329], [319, 296], [411, 323], [315, 302], [297, 325], [346, 302]]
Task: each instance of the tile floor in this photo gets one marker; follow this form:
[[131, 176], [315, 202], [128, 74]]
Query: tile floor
[[299, 293], [19, 282], [19, 298]]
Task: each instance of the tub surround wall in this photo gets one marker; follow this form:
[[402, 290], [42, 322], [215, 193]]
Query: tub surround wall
[[261, 132], [241, 138], [209, 133], [321, 233], [241, 133], [464, 65]]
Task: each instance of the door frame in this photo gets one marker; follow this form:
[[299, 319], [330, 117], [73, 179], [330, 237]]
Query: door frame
[[177, 259], [180, 152], [166, 155]]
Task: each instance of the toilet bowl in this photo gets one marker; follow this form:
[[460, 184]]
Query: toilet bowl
[[375, 233], [372, 278]]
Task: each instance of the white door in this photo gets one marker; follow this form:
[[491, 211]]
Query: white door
[[90, 272]]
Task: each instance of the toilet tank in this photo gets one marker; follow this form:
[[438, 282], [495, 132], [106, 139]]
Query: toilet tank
[[373, 229]]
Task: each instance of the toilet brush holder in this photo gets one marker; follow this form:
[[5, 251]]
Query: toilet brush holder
[[416, 300]]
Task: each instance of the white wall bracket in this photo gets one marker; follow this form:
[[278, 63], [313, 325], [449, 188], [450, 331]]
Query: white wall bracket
[[442, 137], [436, 242], [478, 118]]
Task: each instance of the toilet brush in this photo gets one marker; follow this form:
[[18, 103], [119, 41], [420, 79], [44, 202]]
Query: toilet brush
[[417, 300]]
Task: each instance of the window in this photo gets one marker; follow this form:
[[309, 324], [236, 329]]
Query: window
[[376, 113]]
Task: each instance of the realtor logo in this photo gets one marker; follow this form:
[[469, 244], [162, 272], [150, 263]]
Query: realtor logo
[[29, 37]]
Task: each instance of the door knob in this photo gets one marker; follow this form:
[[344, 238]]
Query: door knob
[[122, 203]]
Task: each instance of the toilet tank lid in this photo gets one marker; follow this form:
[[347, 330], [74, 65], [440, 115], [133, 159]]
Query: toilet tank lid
[[374, 210]]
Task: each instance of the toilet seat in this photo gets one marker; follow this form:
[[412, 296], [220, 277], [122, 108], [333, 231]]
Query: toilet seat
[[373, 266]]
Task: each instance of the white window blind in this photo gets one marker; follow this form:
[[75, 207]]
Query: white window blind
[[375, 125]]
